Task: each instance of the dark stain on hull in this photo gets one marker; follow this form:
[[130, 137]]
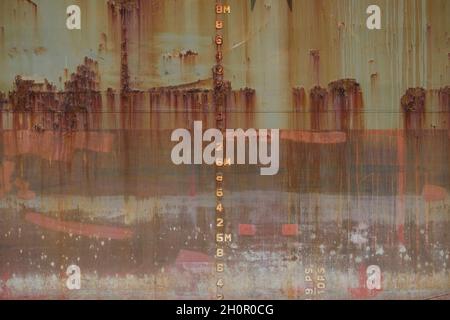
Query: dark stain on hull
[[346, 99], [413, 107], [50, 109], [299, 99], [318, 97]]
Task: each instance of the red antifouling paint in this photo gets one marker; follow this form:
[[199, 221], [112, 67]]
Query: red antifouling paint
[[78, 228], [289, 229], [188, 256], [247, 229]]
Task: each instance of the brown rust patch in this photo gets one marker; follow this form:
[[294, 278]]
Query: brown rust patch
[[444, 103], [110, 99], [413, 107], [196, 98], [344, 87], [3, 100], [444, 98], [315, 57], [86, 79], [103, 45], [125, 9], [81, 95], [413, 100], [187, 53], [374, 77], [318, 98], [347, 104], [246, 98], [299, 98], [124, 70]]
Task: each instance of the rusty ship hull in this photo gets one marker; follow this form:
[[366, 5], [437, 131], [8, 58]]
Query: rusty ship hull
[[86, 176]]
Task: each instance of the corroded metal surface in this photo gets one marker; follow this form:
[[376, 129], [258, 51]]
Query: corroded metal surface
[[86, 176]]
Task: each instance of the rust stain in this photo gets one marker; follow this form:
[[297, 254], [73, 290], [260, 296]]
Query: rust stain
[[53, 110], [39, 50], [3, 102], [315, 56], [23, 190], [24, 97], [299, 98], [125, 9], [444, 98], [334, 170], [6, 172], [444, 103], [434, 193], [413, 106]]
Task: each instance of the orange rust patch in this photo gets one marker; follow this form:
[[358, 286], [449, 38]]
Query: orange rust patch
[[54, 145], [6, 171], [23, 191], [344, 87], [299, 98], [413, 100], [413, 106], [187, 256], [318, 97], [347, 102]]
